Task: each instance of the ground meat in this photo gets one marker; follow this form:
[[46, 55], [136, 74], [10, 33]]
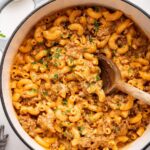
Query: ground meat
[[31, 101], [140, 41], [73, 50], [45, 121], [28, 123], [104, 31], [92, 143], [122, 41]]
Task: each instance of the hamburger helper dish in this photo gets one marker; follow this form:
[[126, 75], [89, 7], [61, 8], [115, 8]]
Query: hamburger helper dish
[[56, 86]]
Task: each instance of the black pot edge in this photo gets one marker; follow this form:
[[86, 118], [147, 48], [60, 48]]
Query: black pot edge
[[4, 53]]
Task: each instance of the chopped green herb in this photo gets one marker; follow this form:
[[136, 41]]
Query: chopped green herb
[[48, 51], [2, 35], [40, 43], [85, 49], [33, 90], [68, 111], [62, 36], [46, 65], [90, 39], [34, 63], [96, 8], [57, 55], [130, 70], [69, 36], [45, 93], [71, 60], [50, 56], [54, 43], [81, 128], [97, 77], [118, 104], [58, 50], [69, 123], [56, 109], [65, 102], [96, 25], [40, 61], [114, 51], [116, 129], [65, 134], [72, 67], [55, 76], [56, 64]]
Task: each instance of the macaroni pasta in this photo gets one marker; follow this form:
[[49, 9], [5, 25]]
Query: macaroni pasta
[[56, 87]]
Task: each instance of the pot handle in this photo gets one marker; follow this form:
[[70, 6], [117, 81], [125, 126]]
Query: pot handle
[[4, 3], [38, 3], [3, 43]]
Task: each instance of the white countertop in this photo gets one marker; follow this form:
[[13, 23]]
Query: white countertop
[[13, 141]]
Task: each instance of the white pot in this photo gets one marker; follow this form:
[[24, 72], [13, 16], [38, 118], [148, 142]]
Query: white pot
[[135, 13]]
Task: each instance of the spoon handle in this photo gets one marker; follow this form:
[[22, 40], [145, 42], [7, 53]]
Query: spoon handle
[[133, 91]]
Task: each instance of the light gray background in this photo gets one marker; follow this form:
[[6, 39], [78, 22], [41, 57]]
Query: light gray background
[[14, 142]]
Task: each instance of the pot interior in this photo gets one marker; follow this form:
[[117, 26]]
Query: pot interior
[[141, 19]]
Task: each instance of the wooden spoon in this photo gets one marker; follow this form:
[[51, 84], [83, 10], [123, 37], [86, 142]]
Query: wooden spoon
[[111, 78]]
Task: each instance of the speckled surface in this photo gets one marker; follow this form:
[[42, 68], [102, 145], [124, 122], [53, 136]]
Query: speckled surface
[[13, 141]]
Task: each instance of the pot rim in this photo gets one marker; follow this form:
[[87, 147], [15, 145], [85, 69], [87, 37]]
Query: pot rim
[[6, 48]]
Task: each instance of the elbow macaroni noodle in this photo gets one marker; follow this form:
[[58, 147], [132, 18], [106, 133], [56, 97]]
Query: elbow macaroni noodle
[[56, 87]]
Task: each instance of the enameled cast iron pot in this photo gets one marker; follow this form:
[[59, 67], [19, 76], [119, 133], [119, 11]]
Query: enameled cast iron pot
[[141, 18]]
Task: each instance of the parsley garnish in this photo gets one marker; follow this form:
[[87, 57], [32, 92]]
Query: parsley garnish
[[68, 111], [34, 63], [57, 54], [65, 102], [69, 36], [96, 8], [56, 109], [46, 65], [62, 36], [2, 35], [50, 57], [136, 83], [56, 76], [129, 70], [40, 61], [45, 93], [71, 60], [85, 49], [116, 129], [90, 39], [118, 104], [48, 51], [40, 43], [97, 77], [33, 90], [65, 134], [114, 51], [96, 25], [58, 50], [81, 128], [56, 64]]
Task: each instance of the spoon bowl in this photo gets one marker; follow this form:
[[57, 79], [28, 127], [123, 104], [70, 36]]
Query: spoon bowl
[[112, 80]]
